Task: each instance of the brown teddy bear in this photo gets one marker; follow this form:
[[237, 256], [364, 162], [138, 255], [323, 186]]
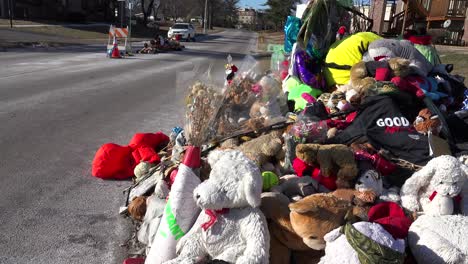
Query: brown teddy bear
[[265, 148], [299, 228], [333, 159], [427, 122], [137, 208], [364, 74]]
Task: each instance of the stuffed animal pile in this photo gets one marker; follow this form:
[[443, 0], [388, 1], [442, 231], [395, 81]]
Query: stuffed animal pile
[[356, 155]]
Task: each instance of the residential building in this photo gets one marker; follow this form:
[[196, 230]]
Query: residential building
[[247, 17], [444, 19]]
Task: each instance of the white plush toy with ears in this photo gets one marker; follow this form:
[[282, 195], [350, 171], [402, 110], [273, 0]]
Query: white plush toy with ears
[[231, 226], [439, 239], [371, 180], [436, 188]]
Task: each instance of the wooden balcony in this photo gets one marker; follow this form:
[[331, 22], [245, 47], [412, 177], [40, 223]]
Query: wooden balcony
[[447, 9], [457, 8]]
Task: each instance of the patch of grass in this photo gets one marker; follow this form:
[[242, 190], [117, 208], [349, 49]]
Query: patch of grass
[[269, 37], [99, 32], [6, 22], [459, 61]]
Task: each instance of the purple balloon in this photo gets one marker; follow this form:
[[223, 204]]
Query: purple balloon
[[308, 70]]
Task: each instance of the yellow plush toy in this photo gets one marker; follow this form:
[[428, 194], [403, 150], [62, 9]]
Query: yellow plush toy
[[344, 54]]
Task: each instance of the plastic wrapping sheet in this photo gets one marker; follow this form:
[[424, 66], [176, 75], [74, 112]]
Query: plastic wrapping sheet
[[250, 102], [309, 130], [202, 98]]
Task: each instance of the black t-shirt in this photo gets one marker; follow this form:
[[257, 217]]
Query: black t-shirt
[[381, 121]]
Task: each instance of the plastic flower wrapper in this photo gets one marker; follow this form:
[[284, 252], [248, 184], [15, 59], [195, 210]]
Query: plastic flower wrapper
[[201, 104], [203, 98], [250, 103]]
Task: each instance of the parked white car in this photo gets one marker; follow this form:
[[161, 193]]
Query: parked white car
[[185, 30]]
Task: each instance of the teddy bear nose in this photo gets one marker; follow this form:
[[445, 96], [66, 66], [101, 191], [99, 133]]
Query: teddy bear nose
[[359, 182], [197, 196]]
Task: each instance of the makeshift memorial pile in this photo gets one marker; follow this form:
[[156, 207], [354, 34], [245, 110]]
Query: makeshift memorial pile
[[358, 153]]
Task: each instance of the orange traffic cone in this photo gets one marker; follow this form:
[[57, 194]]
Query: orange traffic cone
[[115, 50]]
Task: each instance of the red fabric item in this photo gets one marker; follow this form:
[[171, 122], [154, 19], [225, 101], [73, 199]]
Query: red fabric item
[[408, 86], [113, 162], [173, 176], [382, 74], [421, 40], [301, 168], [213, 214], [145, 153], [391, 217], [234, 68], [328, 182], [192, 157], [350, 118], [342, 124], [309, 98], [284, 74], [134, 261], [154, 140], [457, 199], [342, 30], [382, 165]]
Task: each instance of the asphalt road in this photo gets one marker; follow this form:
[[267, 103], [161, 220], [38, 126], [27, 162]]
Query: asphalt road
[[57, 106]]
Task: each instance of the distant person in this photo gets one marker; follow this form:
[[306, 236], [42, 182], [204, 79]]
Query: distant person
[[146, 49], [154, 46], [342, 33], [159, 40]]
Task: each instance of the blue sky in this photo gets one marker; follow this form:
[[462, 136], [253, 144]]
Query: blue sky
[[252, 3]]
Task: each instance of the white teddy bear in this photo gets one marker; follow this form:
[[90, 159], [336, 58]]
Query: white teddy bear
[[231, 228], [436, 187], [439, 239], [338, 250], [370, 180]]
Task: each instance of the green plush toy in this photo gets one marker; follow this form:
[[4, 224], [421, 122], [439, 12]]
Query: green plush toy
[[296, 88], [270, 179]]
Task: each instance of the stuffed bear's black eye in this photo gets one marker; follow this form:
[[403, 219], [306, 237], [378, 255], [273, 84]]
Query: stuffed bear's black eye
[[367, 176], [441, 182], [312, 237]]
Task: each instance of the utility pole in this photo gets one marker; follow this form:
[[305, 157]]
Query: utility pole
[[122, 3], [10, 12], [130, 6], [205, 18]]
